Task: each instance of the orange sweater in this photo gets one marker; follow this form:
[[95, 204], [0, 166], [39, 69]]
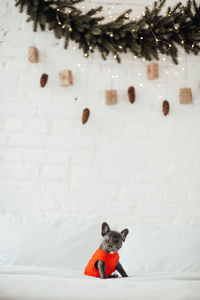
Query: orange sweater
[[110, 259]]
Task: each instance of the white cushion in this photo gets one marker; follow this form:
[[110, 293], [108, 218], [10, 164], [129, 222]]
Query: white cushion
[[150, 249], [69, 242], [48, 241]]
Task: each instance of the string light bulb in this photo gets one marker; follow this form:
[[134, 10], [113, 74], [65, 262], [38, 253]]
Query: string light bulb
[[141, 37], [126, 15]]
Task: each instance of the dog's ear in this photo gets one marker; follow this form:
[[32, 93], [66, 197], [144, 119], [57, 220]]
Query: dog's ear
[[124, 233], [105, 228]]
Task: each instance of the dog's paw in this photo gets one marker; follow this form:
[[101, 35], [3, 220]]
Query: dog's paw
[[114, 276]]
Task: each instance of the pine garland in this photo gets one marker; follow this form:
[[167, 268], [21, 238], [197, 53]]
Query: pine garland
[[151, 34]]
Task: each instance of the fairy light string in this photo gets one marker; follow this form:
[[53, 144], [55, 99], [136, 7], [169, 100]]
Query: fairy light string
[[120, 34], [63, 26]]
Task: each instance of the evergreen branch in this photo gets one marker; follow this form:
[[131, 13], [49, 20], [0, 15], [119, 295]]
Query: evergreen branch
[[151, 34]]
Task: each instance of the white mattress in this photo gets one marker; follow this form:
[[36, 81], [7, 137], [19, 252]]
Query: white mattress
[[28, 283]]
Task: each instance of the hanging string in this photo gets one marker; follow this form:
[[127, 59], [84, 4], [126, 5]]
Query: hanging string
[[166, 77], [185, 69], [111, 73], [87, 83]]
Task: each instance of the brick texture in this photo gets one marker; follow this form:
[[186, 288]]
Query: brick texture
[[128, 159]]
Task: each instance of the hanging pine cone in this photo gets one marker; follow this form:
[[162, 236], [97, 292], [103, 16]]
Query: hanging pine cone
[[85, 115], [131, 94], [165, 107], [43, 79]]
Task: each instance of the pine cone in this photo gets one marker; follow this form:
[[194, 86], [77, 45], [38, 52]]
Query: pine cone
[[165, 107], [85, 116], [43, 80], [131, 94]]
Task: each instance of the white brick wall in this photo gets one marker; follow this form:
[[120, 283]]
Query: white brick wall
[[127, 160]]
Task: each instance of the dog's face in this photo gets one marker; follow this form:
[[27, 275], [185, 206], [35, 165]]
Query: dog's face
[[112, 240]]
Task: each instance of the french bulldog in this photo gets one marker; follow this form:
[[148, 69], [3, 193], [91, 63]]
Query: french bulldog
[[108, 251]]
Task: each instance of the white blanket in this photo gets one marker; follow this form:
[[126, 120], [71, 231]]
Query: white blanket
[[36, 283]]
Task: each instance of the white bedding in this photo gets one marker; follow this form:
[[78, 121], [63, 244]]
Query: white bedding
[[38, 254], [39, 283]]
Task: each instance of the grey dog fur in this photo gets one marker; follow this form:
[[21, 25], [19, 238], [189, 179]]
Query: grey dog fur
[[112, 242]]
